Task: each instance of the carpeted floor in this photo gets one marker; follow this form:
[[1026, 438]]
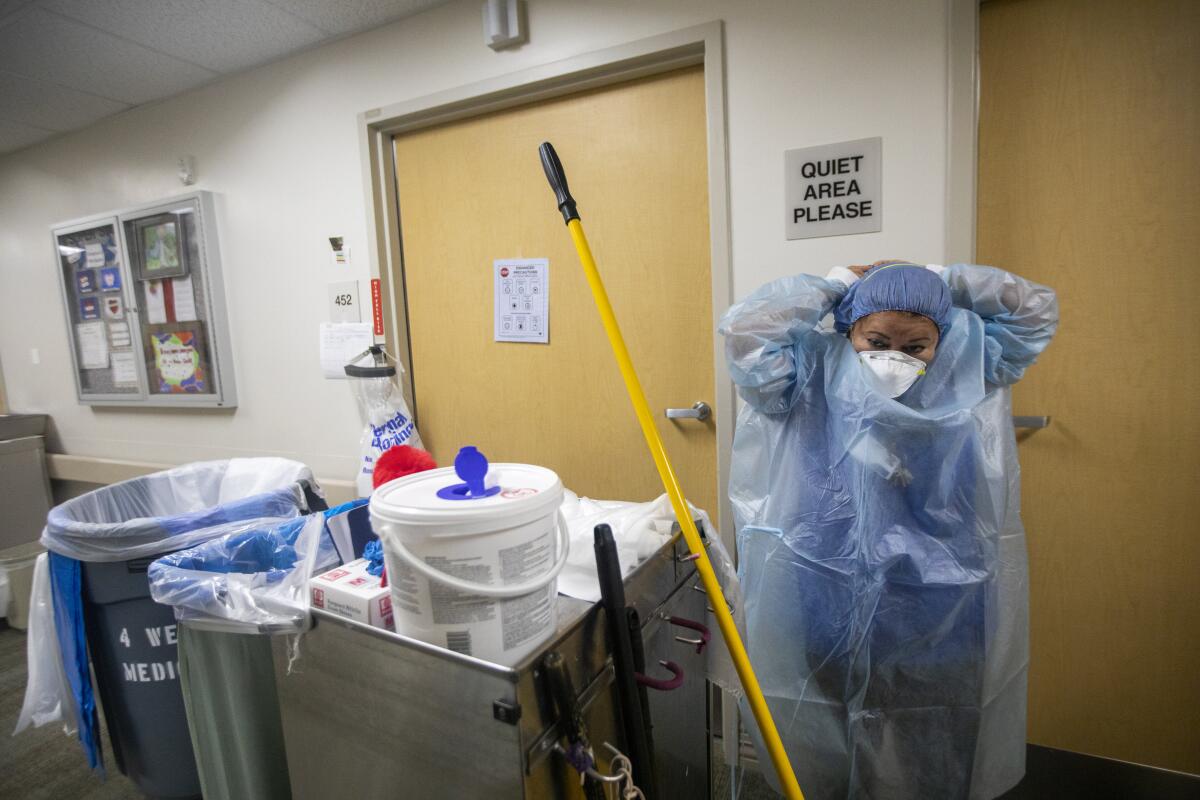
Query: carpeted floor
[[44, 763], [747, 785]]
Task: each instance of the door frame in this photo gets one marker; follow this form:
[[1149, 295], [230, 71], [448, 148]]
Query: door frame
[[962, 128], [699, 44]]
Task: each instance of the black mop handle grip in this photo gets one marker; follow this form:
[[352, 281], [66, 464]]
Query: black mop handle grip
[[558, 181]]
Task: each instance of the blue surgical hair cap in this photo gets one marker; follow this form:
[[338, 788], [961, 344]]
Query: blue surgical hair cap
[[895, 286]]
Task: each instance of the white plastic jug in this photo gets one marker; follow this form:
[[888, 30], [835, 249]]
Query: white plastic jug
[[473, 561]]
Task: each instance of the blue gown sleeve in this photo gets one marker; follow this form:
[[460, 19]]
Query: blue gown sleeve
[[771, 341], [1019, 317]]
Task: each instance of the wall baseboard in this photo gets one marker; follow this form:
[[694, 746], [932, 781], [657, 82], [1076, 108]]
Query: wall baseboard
[[105, 471], [1050, 774], [1064, 775]]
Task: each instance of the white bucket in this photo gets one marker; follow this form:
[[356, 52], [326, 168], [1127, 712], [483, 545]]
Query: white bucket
[[477, 576]]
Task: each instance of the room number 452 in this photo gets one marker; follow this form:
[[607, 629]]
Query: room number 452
[[343, 300]]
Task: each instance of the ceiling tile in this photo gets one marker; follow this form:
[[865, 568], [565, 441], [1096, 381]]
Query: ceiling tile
[[348, 16], [49, 106], [220, 35], [9, 9], [51, 48], [14, 135], [65, 64]]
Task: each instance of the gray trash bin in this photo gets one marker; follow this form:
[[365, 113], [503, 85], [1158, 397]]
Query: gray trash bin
[[230, 596], [230, 678]]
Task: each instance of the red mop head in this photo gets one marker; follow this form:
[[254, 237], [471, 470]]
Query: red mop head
[[395, 463], [400, 461]]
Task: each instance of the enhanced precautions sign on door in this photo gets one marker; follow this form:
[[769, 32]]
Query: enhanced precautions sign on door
[[833, 189], [522, 292]]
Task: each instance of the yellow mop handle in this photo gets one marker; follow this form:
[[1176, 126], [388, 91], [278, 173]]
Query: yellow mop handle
[[733, 641]]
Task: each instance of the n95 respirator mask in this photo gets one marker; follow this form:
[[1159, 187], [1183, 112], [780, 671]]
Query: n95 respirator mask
[[891, 372]]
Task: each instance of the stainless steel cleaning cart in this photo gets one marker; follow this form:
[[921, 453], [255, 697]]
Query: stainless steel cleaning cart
[[372, 714]]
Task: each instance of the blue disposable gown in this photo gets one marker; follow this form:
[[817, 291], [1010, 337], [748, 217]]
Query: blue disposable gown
[[880, 542]]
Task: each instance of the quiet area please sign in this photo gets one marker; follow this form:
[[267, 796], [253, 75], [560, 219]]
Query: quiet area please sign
[[833, 189]]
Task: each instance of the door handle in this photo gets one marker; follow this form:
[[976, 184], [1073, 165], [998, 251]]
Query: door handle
[[1031, 422], [700, 411]]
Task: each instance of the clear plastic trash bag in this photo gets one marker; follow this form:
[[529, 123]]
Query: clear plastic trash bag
[[250, 582], [48, 696], [880, 544], [639, 530], [176, 508]]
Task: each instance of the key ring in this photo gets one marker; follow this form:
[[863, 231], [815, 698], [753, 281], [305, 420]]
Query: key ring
[[584, 762], [624, 774]]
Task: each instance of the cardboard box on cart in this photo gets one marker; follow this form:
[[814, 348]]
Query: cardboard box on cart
[[351, 592]]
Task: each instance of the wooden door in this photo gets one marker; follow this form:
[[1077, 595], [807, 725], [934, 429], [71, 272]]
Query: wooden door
[[473, 191], [1089, 168]]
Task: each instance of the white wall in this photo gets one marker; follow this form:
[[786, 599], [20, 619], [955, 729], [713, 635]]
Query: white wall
[[280, 147]]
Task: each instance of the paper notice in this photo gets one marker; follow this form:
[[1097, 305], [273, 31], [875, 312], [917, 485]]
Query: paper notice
[[185, 299], [92, 338], [95, 255], [340, 342], [124, 369], [118, 334], [522, 294], [156, 305]]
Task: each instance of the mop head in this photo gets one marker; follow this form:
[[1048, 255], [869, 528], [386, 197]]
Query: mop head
[[400, 461]]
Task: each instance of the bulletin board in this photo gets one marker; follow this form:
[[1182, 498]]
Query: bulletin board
[[145, 305]]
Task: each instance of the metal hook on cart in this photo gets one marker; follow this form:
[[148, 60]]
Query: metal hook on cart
[[698, 588], [660, 684], [690, 624]]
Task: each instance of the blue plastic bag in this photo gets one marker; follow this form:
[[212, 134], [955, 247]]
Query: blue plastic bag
[[250, 582]]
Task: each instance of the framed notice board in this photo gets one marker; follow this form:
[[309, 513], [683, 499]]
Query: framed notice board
[[145, 305]]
